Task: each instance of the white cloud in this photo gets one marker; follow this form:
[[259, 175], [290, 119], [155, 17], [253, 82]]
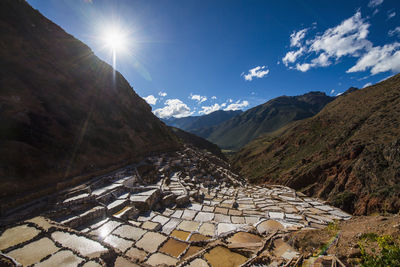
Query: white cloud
[[229, 100], [237, 105], [379, 59], [198, 98], [349, 38], [209, 109], [374, 3], [333, 91], [391, 14], [395, 31], [258, 72], [297, 37], [173, 108], [367, 84], [151, 99], [213, 97], [303, 67], [292, 56], [162, 94]]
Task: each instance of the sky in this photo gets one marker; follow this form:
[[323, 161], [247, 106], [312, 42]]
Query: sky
[[192, 57]]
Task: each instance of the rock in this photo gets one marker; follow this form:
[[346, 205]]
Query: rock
[[182, 200], [145, 200], [269, 226], [168, 200]]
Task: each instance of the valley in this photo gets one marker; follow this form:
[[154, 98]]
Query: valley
[[90, 176]]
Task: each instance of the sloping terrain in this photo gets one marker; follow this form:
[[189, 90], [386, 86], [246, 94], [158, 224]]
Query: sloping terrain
[[265, 118], [198, 142], [192, 123], [62, 113], [349, 153]]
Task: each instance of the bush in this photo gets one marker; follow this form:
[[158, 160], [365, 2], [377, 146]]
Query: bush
[[388, 253]]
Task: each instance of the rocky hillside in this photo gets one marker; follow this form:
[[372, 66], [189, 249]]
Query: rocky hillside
[[61, 113], [349, 153], [194, 123], [198, 142], [265, 118]]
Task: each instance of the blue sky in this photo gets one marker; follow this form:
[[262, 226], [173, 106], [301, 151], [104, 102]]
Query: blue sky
[[191, 57]]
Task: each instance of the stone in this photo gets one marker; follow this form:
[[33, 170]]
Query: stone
[[85, 246], [269, 226], [145, 200], [158, 259], [129, 232], [182, 200], [16, 235], [34, 252], [151, 241], [61, 258]]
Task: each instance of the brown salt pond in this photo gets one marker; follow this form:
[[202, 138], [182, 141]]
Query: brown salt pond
[[174, 247], [199, 237], [223, 257], [182, 235], [191, 251], [245, 240]]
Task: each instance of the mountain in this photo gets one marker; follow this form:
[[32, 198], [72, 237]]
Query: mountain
[[198, 142], [62, 111], [349, 153], [192, 123], [265, 118]]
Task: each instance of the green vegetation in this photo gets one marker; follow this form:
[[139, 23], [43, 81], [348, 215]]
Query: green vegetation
[[387, 252]]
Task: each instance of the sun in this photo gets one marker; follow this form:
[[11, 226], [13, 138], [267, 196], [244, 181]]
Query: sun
[[115, 39]]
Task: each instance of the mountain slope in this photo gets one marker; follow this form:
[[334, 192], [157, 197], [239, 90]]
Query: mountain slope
[[198, 142], [192, 123], [264, 118], [349, 153], [61, 112]]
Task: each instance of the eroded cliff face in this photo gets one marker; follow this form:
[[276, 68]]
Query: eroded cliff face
[[62, 112], [348, 153]]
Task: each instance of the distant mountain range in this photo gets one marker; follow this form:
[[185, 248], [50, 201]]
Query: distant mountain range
[[236, 132], [349, 153], [62, 113], [193, 123]]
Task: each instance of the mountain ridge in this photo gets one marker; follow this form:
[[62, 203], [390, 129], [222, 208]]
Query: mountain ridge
[[348, 153], [63, 111], [264, 118]]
